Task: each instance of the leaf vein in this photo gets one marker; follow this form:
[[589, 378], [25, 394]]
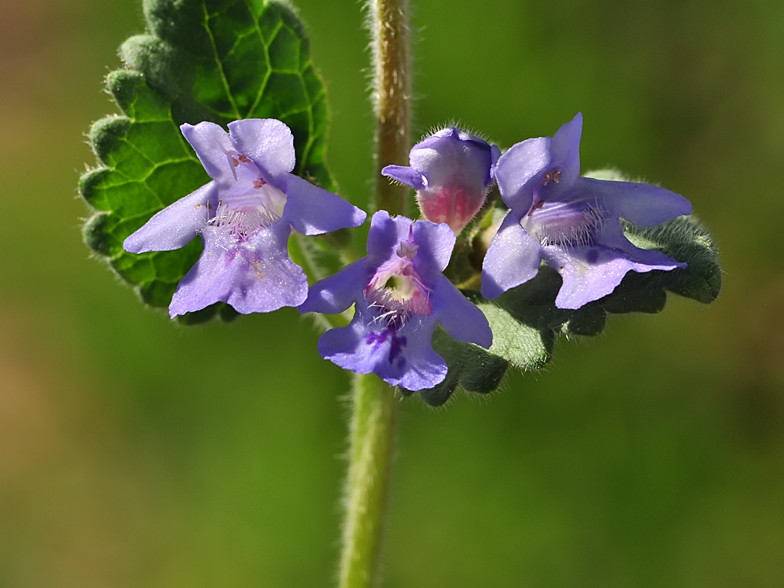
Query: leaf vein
[[224, 79]]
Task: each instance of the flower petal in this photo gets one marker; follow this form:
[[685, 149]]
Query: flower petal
[[213, 148], [385, 234], [459, 316], [257, 276], [642, 204], [513, 259], [590, 273], [435, 247], [269, 143], [313, 211], [565, 149], [405, 175], [176, 225], [424, 367], [336, 293], [612, 236], [495, 155], [401, 356], [519, 170]]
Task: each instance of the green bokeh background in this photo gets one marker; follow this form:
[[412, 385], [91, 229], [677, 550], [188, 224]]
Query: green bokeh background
[[137, 453]]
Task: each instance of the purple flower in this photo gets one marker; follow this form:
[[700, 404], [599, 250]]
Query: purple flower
[[244, 217], [570, 222], [399, 294], [451, 172]]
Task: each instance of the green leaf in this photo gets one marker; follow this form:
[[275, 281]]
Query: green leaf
[[687, 240], [526, 322], [201, 60], [470, 366]]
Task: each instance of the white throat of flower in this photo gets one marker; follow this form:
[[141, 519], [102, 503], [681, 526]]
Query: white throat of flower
[[568, 223], [396, 290], [256, 204], [563, 225]]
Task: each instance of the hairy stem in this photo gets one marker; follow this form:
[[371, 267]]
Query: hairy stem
[[372, 432], [374, 403], [389, 27]]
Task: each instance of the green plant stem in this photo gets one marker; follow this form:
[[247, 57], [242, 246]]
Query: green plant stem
[[370, 454], [389, 27], [374, 403]]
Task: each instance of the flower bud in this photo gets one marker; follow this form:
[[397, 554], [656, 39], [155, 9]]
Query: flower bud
[[452, 172]]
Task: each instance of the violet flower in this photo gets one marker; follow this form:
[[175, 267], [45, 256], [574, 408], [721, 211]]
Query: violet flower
[[400, 295], [452, 173], [570, 222], [244, 217]]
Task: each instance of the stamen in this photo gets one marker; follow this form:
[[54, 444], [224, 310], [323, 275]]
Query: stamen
[[396, 291], [407, 250], [552, 176], [396, 310], [536, 207], [242, 222]]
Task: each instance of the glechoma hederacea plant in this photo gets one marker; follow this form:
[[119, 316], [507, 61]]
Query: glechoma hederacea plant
[[212, 196]]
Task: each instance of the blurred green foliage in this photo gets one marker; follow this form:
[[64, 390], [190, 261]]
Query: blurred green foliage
[[134, 452]]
